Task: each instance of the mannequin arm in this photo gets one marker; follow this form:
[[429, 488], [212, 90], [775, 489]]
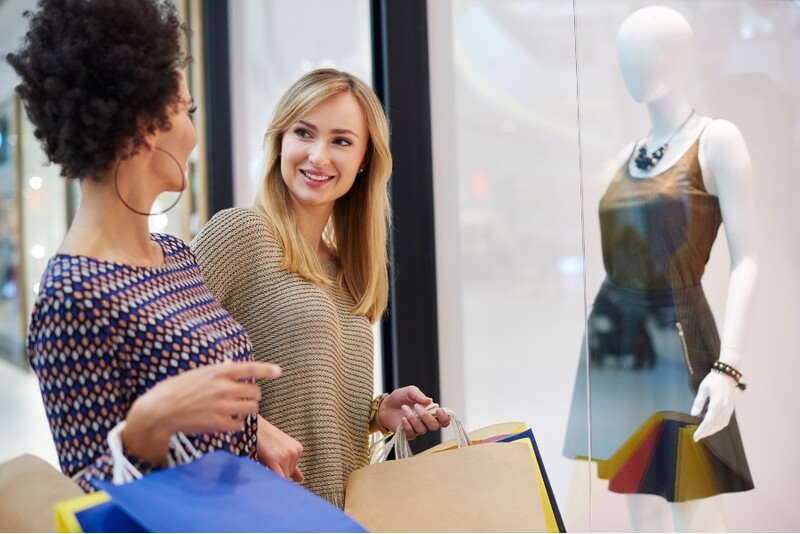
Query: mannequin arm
[[728, 175]]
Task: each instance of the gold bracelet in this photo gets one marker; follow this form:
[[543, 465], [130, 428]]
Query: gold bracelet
[[375, 407]]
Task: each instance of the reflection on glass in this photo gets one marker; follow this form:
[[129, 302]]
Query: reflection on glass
[[507, 208], [701, 114], [503, 94]]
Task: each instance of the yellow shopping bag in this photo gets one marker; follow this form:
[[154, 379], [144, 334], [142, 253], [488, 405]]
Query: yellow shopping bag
[[65, 510]]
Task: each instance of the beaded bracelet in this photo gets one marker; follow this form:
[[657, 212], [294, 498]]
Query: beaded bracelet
[[725, 369]]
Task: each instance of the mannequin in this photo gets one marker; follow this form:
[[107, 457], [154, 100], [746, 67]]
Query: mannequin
[[659, 217]]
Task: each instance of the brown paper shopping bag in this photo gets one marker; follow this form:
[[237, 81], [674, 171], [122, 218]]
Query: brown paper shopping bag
[[491, 487], [29, 489]]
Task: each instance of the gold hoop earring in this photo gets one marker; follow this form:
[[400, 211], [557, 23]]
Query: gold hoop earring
[[180, 194]]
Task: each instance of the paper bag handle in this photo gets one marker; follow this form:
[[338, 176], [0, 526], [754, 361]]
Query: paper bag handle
[[402, 449], [180, 451]]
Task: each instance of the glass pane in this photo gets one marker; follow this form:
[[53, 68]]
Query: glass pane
[[659, 313], [508, 216]]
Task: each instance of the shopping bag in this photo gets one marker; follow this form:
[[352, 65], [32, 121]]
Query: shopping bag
[[662, 458], [552, 514], [29, 488], [486, 434], [219, 492], [222, 492], [510, 432], [490, 487], [93, 512]]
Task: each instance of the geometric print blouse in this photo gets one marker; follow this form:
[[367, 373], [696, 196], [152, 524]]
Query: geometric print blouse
[[103, 333]]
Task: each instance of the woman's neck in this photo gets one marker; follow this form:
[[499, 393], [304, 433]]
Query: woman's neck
[[104, 228], [312, 224]]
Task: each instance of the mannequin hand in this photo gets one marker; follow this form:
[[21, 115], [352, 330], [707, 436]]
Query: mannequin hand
[[406, 406], [718, 389], [212, 398], [278, 450]]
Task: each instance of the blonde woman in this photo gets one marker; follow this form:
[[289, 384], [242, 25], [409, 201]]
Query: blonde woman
[[305, 272]]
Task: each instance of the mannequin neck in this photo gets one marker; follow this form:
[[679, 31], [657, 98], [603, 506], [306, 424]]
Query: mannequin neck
[[667, 114]]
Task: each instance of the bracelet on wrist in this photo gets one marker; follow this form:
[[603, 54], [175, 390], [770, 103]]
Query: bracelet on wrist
[[725, 369], [375, 408]]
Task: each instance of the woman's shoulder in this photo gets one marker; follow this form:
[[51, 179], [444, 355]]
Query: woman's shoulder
[[73, 284], [236, 234], [172, 245], [237, 224]]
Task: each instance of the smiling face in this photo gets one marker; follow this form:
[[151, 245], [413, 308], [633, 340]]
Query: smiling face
[[322, 152]]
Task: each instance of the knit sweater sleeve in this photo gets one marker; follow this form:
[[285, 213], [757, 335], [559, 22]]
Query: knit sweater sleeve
[[226, 250]]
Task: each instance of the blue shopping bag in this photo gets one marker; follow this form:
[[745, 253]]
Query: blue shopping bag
[[106, 517], [222, 492]]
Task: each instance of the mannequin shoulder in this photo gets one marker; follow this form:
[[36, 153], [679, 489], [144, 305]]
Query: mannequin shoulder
[[721, 139], [723, 154]]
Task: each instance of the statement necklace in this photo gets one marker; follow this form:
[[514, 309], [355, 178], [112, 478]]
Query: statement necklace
[[645, 162]]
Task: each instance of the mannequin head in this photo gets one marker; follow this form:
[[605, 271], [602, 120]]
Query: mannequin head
[[654, 47]]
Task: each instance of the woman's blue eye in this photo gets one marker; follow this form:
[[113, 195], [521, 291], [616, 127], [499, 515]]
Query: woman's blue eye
[[342, 141], [302, 132]]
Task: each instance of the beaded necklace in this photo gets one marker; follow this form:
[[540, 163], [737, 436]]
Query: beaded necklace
[[645, 162]]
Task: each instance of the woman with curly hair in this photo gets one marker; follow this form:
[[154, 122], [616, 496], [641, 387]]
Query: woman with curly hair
[[305, 272], [124, 334]]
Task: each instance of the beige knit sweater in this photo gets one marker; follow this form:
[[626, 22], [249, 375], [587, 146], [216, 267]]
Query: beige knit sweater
[[322, 399]]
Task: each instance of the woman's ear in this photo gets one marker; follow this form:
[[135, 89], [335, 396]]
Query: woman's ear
[[149, 140], [149, 136]]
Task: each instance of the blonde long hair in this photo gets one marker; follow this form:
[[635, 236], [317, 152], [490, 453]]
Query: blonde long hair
[[357, 229]]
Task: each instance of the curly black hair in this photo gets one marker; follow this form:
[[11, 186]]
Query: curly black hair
[[98, 74]]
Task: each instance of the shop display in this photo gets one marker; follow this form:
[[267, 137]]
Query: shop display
[[652, 339]]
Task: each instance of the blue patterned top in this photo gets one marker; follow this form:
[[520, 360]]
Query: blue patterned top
[[103, 333]]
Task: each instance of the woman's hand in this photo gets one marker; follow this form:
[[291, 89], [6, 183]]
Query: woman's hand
[[718, 389], [212, 398], [407, 406], [279, 451]]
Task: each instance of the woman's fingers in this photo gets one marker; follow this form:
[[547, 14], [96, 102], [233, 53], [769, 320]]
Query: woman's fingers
[[426, 417], [297, 476], [244, 370], [413, 419], [443, 417]]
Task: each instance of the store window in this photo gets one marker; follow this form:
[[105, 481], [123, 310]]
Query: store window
[[531, 116]]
